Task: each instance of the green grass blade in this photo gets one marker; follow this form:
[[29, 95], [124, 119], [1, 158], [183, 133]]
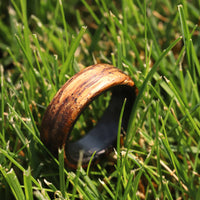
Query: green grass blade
[[128, 187], [2, 102], [135, 183], [65, 25], [129, 39], [91, 185], [168, 193], [17, 9], [90, 163], [44, 61], [144, 85], [119, 167], [28, 184], [66, 67], [188, 42], [184, 26], [27, 108], [112, 196], [26, 29], [183, 107], [61, 171], [13, 182], [91, 12]]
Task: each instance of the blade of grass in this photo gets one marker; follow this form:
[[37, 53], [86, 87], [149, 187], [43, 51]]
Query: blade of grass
[[143, 87], [65, 26], [128, 187], [91, 12], [195, 87], [166, 189], [119, 53], [17, 9], [28, 184], [16, 63], [181, 173], [13, 182], [80, 186], [91, 185], [121, 27], [20, 167], [135, 183], [183, 108], [42, 80], [158, 150], [61, 171], [152, 33], [6, 154], [182, 81], [119, 167], [90, 162], [55, 40], [26, 29], [185, 30], [44, 61], [57, 86], [29, 113], [28, 59], [50, 185], [107, 189], [188, 43], [2, 102], [37, 139], [66, 66]]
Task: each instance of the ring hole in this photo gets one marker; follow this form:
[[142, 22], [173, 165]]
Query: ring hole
[[90, 116]]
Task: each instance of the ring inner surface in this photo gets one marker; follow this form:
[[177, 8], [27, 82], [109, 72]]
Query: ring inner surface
[[104, 135]]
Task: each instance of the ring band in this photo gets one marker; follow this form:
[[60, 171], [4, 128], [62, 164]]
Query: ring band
[[70, 101]]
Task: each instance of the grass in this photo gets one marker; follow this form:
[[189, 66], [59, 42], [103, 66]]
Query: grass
[[44, 43]]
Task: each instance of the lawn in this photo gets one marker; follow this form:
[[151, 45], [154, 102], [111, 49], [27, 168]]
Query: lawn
[[44, 43]]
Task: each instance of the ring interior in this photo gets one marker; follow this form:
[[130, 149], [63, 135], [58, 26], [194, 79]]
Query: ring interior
[[104, 135]]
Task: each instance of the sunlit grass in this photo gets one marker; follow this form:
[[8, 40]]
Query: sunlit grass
[[157, 43]]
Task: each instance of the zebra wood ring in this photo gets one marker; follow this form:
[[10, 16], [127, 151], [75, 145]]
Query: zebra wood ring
[[70, 101]]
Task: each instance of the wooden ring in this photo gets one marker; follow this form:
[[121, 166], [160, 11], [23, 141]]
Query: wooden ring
[[72, 99]]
